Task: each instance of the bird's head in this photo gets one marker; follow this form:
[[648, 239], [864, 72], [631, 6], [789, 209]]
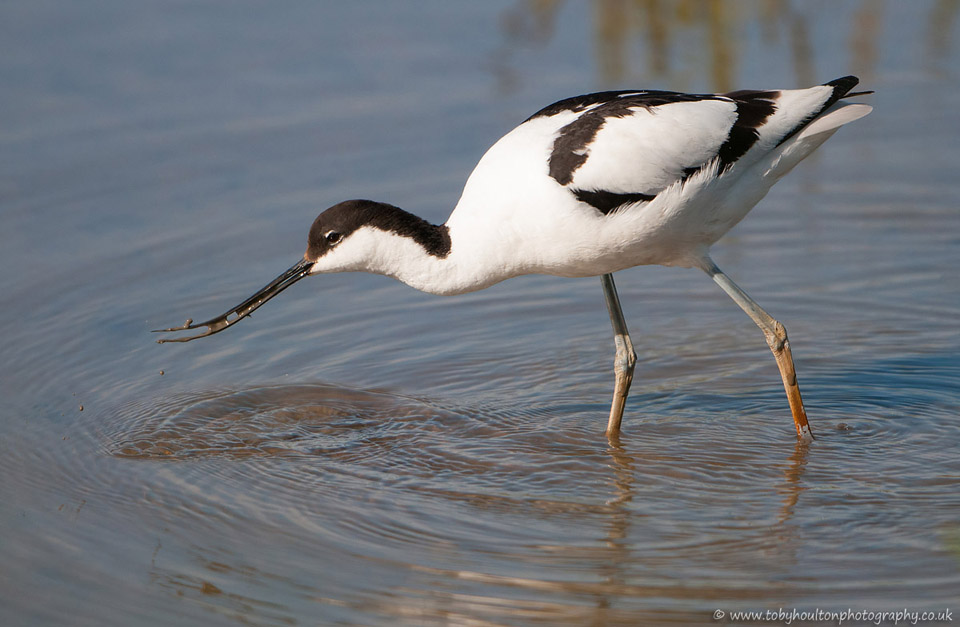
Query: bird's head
[[343, 238]]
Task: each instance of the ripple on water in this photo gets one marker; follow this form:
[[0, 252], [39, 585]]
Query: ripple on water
[[400, 440], [502, 499], [261, 422]]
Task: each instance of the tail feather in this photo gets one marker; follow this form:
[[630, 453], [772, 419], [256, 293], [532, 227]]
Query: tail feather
[[840, 114]]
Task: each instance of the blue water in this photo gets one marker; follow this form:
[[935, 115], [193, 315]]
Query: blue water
[[361, 453]]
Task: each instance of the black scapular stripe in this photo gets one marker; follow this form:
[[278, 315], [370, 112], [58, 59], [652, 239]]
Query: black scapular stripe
[[605, 202]]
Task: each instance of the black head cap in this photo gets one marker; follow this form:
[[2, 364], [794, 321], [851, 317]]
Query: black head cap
[[339, 221]]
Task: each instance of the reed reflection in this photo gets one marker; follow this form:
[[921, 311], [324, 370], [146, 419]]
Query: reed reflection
[[943, 18], [677, 41]]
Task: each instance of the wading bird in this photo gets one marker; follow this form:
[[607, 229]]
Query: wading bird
[[586, 187]]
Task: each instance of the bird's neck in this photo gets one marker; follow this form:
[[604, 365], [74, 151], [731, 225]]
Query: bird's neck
[[432, 258]]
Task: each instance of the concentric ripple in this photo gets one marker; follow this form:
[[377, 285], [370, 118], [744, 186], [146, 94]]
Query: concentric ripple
[[267, 421]]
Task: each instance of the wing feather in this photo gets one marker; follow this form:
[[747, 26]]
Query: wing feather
[[621, 148]]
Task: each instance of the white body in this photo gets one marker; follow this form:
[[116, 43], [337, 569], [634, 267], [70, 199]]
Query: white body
[[514, 219]]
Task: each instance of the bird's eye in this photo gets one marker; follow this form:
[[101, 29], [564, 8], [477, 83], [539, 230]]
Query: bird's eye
[[333, 237]]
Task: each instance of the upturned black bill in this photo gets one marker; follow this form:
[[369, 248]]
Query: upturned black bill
[[244, 309]]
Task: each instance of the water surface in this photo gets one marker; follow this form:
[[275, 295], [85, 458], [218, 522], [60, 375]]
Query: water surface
[[361, 453]]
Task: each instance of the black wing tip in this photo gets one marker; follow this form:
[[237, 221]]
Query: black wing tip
[[844, 82], [841, 89], [842, 86]]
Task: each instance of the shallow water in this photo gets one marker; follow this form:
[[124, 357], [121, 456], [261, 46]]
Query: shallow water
[[361, 453]]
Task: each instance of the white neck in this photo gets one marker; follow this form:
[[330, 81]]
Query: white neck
[[461, 270], [466, 266]]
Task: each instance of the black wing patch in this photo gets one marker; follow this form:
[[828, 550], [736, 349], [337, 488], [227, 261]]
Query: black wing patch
[[753, 109], [633, 98], [570, 147], [605, 202]]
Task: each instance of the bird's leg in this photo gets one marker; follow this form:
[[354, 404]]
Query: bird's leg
[[777, 340], [625, 360]]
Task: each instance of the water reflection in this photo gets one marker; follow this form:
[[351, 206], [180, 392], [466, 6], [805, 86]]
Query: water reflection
[[614, 571], [626, 33], [199, 587], [406, 489], [528, 24], [942, 20], [791, 487]]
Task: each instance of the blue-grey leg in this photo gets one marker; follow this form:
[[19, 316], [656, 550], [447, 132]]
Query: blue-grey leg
[[625, 360], [776, 336]]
